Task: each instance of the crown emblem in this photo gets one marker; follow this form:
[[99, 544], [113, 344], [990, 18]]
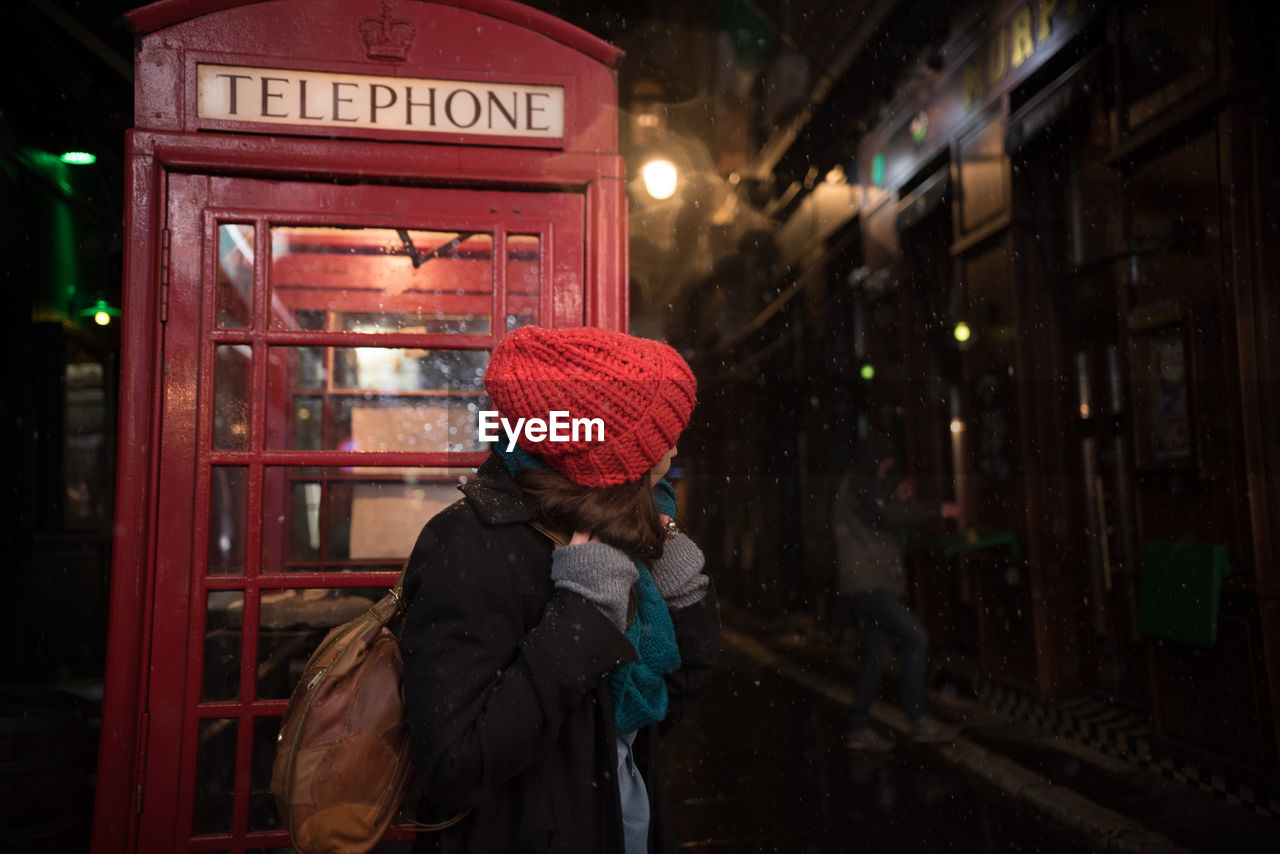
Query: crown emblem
[[386, 39]]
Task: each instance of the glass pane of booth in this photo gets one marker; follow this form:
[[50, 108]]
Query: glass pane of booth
[[375, 399], [224, 616], [231, 397], [235, 276], [363, 518], [215, 776], [228, 515], [381, 280], [291, 624], [263, 814], [524, 279]]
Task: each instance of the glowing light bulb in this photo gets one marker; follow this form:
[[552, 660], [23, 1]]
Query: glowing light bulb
[[962, 332], [660, 178]]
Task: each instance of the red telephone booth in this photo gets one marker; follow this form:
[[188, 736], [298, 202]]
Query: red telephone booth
[[336, 210]]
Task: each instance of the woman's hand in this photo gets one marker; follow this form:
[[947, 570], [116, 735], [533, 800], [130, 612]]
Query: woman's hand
[[669, 528], [678, 573], [598, 572]]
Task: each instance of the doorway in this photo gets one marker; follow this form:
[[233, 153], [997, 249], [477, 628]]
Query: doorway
[[1073, 272], [323, 351], [944, 599], [1106, 493]]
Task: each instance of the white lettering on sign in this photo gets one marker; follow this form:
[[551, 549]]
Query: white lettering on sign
[[321, 99], [559, 427]]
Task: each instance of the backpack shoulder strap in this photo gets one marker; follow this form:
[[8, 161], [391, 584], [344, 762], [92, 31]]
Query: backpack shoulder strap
[[555, 536]]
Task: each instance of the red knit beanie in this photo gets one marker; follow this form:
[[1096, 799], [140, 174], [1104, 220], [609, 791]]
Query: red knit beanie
[[642, 391]]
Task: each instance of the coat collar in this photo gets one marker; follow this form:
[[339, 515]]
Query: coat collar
[[495, 496]]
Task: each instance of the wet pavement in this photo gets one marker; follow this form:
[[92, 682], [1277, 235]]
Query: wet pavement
[[758, 766], [1183, 815]]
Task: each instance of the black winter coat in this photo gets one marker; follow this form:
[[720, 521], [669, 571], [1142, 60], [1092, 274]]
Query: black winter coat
[[510, 713]]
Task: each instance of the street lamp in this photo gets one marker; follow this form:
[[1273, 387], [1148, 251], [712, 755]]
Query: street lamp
[[101, 312], [660, 178]]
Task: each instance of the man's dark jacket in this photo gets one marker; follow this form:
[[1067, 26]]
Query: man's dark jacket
[[866, 517], [505, 676]]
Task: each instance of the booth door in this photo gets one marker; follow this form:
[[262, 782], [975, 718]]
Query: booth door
[[323, 349]]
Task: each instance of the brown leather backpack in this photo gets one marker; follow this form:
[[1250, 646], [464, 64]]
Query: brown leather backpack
[[343, 763]]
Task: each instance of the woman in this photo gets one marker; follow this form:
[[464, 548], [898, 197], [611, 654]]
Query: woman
[[536, 676]]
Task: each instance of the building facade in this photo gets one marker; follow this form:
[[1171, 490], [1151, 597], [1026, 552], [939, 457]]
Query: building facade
[[1051, 277]]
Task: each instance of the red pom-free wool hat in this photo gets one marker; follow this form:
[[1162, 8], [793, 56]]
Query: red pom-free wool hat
[[642, 391]]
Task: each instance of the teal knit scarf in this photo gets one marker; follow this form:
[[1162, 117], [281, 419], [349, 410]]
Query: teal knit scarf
[[638, 687]]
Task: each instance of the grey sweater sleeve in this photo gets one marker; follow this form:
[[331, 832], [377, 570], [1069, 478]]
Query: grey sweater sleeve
[[600, 573], [678, 573]]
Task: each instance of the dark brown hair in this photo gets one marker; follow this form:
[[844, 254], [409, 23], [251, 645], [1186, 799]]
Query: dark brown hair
[[624, 516]]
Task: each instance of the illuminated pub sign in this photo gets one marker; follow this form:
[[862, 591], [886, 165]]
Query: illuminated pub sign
[[1030, 28], [1019, 38]]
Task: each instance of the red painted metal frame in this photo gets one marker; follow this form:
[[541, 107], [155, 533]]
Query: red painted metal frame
[[491, 39], [199, 202], [166, 13], [124, 721], [145, 648], [179, 564]]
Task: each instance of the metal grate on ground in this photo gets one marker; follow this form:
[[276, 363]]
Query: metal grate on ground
[[1128, 737]]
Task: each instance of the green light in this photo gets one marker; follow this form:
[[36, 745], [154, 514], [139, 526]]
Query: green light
[[101, 312], [867, 371], [877, 170], [78, 158], [920, 127], [962, 332]]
